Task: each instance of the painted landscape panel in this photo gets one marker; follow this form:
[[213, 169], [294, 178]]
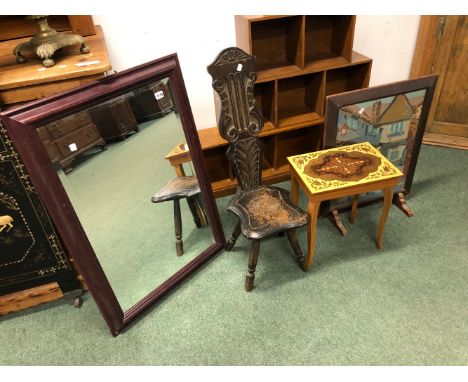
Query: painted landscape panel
[[389, 124]]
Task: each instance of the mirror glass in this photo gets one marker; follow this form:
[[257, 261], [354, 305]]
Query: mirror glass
[[126, 168]]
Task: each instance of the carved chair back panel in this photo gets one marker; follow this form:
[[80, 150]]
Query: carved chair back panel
[[240, 121]]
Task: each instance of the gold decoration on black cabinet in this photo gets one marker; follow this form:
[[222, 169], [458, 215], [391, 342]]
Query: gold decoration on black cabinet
[[30, 251]]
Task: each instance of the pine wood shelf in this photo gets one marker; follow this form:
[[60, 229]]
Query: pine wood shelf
[[300, 60]]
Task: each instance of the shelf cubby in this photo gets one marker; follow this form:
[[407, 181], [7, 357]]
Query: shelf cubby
[[266, 101], [275, 41], [269, 143], [296, 142], [328, 37], [346, 79], [217, 164], [300, 99]]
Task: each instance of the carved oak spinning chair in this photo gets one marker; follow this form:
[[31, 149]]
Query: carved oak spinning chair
[[182, 187], [262, 210]]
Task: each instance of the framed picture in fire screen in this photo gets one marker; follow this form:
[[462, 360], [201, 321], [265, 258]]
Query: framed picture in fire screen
[[392, 118]]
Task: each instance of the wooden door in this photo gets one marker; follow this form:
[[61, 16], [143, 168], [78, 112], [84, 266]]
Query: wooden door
[[442, 47]]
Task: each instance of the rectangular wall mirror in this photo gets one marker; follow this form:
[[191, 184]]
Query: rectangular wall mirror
[[97, 156]]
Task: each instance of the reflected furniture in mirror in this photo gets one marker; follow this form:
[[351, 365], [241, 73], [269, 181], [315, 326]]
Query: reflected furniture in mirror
[[102, 209], [69, 137], [262, 210], [182, 187], [114, 119], [151, 102]]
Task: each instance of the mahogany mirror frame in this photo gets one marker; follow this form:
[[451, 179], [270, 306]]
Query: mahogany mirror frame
[[21, 124]]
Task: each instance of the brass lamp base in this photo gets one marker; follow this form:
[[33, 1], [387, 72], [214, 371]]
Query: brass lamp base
[[47, 41]]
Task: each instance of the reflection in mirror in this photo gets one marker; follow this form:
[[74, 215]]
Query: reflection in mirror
[[144, 218]]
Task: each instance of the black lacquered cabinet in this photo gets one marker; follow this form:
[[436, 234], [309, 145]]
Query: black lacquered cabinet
[[31, 253]]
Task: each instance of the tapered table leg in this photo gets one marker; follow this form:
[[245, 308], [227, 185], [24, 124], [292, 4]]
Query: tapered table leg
[[312, 210], [352, 218], [388, 194]]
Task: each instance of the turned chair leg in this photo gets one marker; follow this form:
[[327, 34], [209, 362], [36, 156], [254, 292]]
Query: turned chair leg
[[235, 234], [250, 276], [178, 228], [292, 237]]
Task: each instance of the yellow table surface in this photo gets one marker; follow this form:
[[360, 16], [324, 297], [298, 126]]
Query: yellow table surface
[[315, 185]]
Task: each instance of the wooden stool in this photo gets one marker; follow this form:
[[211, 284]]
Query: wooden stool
[[182, 187]]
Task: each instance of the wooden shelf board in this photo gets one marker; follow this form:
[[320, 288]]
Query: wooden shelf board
[[278, 71], [311, 67], [299, 121], [210, 138], [253, 18], [325, 55], [269, 176]]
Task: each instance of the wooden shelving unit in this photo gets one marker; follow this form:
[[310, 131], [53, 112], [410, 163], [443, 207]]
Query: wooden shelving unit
[[300, 60]]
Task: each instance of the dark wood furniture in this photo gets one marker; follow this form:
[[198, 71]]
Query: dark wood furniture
[[114, 119], [13, 26], [299, 61], [30, 81], [262, 210], [182, 187], [151, 103], [34, 265], [348, 170], [21, 124], [69, 137], [442, 48]]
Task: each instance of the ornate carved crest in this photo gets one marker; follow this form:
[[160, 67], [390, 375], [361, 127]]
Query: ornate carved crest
[[230, 56]]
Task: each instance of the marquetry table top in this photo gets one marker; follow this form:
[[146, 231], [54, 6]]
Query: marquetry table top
[[342, 167]]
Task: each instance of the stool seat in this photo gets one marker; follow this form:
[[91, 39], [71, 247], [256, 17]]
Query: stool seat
[[178, 188]]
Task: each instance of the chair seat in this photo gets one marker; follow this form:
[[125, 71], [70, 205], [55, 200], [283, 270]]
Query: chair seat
[[177, 188], [266, 210]]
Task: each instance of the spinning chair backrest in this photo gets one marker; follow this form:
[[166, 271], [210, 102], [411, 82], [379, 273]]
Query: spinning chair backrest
[[239, 122]]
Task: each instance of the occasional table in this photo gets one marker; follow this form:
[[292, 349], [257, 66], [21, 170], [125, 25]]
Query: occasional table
[[339, 172], [179, 155]]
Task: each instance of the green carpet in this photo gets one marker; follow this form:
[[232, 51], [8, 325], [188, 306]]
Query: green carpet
[[406, 305], [134, 238]]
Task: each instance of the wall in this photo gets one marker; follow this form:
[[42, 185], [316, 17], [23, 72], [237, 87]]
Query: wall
[[389, 40]]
